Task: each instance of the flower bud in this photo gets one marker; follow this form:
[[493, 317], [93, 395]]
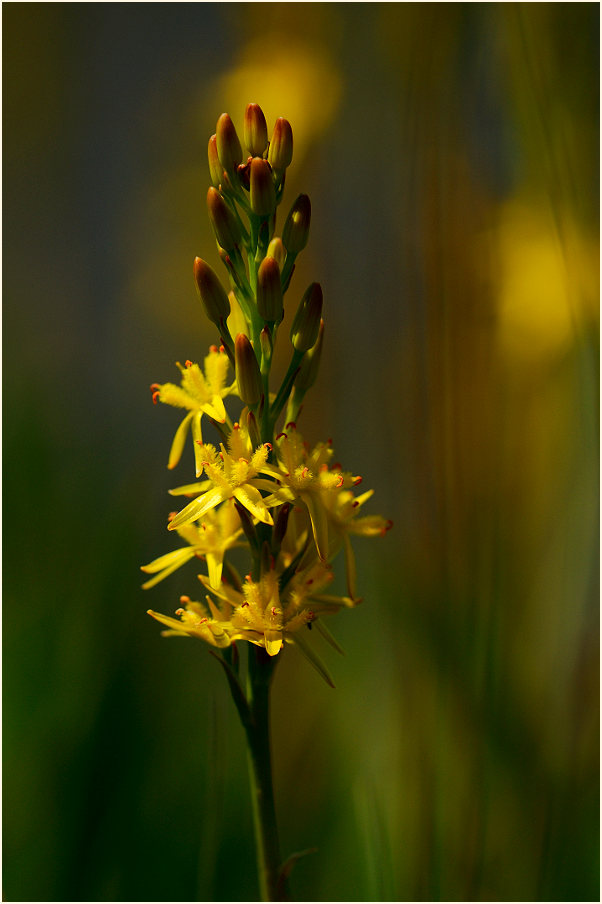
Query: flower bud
[[255, 130], [216, 171], [248, 376], [280, 153], [228, 146], [277, 250], [269, 291], [308, 371], [306, 324], [280, 525], [296, 227], [212, 293], [263, 193], [227, 230], [265, 339]]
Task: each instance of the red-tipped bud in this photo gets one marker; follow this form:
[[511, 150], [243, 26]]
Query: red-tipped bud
[[228, 146], [296, 227], [216, 170], [212, 293], [304, 331], [262, 191], [255, 130], [277, 250], [269, 291], [281, 145], [248, 375], [309, 366], [227, 230]]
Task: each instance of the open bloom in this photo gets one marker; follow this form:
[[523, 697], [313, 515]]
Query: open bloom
[[304, 474], [209, 539], [201, 393], [263, 614], [232, 473], [342, 511]]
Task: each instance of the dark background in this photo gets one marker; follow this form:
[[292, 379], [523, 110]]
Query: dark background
[[451, 155]]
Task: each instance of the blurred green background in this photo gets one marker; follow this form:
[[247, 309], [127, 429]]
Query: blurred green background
[[451, 155]]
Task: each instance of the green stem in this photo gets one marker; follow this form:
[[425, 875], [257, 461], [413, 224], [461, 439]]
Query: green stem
[[261, 669]]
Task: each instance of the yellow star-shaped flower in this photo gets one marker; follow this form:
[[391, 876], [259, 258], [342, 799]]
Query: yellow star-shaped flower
[[209, 539], [201, 393]]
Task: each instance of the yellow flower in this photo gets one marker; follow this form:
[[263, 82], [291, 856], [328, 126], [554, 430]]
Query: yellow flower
[[233, 473], [342, 510], [266, 617], [218, 532], [195, 621], [201, 393], [305, 474]]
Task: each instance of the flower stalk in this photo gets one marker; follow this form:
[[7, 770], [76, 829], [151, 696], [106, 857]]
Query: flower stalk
[[260, 487]]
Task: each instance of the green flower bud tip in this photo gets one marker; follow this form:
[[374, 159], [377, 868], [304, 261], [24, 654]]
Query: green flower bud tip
[[280, 153], [304, 331], [227, 231], [212, 293], [277, 250], [296, 227], [267, 348], [228, 146], [255, 130], [311, 361], [269, 291], [248, 375], [216, 171], [262, 191]]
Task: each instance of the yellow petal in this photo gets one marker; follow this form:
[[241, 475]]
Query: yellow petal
[[319, 523], [248, 496], [198, 507], [175, 453], [273, 641], [197, 438], [214, 567]]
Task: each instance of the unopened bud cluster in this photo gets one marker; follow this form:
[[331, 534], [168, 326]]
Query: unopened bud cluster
[[262, 487]]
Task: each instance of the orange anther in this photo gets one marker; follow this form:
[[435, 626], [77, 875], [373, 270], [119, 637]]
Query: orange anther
[[184, 599], [156, 395], [291, 424], [179, 612], [273, 611], [340, 481], [171, 516], [213, 348], [357, 481], [188, 363], [236, 426], [155, 386], [221, 349], [281, 434], [268, 446], [305, 472]]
